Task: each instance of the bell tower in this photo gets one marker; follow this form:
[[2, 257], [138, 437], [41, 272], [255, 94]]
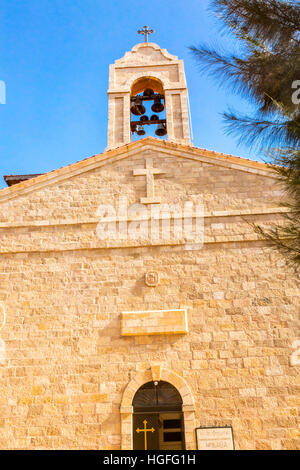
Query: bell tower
[[147, 74]]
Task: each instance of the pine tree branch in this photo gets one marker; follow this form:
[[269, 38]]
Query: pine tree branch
[[269, 20], [267, 67], [284, 239], [264, 133], [263, 76]]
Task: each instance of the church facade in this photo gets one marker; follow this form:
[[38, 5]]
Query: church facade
[[137, 304]]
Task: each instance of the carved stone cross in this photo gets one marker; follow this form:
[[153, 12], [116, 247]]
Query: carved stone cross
[[149, 172]]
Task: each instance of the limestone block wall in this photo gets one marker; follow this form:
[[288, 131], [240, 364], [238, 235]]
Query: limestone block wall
[[67, 364], [74, 193]]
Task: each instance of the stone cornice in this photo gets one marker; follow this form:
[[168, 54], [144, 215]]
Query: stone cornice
[[182, 246], [95, 220]]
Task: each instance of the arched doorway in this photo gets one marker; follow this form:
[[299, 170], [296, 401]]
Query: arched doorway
[[158, 422], [157, 373]]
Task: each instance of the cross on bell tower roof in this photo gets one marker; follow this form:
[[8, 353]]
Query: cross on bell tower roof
[[146, 31]]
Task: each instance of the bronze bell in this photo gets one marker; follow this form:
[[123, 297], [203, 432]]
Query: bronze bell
[[148, 92], [154, 118], [133, 127], [140, 130], [144, 118], [161, 130], [138, 108], [157, 107]]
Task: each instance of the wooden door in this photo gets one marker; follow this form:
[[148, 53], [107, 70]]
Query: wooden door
[[171, 433]]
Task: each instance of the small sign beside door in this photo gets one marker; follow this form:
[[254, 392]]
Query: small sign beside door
[[215, 438]]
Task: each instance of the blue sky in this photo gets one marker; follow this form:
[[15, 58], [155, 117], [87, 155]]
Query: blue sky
[[54, 59]]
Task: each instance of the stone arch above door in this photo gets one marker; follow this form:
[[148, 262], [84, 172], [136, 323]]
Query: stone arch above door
[[157, 373]]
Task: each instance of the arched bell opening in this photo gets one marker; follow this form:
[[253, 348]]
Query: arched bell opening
[[143, 83], [147, 108], [158, 422]]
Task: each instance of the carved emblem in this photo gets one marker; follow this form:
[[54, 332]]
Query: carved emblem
[[152, 278]]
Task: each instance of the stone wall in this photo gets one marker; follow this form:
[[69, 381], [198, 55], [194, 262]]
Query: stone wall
[[66, 364]]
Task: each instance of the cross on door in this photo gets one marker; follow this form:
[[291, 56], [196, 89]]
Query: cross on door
[[149, 172], [145, 430]]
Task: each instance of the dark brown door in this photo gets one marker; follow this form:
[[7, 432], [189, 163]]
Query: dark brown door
[[145, 431]]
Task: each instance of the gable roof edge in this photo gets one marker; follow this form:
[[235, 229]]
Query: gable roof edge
[[125, 151]]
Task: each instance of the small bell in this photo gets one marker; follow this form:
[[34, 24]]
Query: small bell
[[154, 118], [157, 107], [148, 92], [138, 108], [144, 118], [140, 130], [161, 130]]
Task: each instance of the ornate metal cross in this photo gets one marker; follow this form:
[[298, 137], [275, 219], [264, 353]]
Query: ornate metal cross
[[146, 31], [149, 172], [145, 430]]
